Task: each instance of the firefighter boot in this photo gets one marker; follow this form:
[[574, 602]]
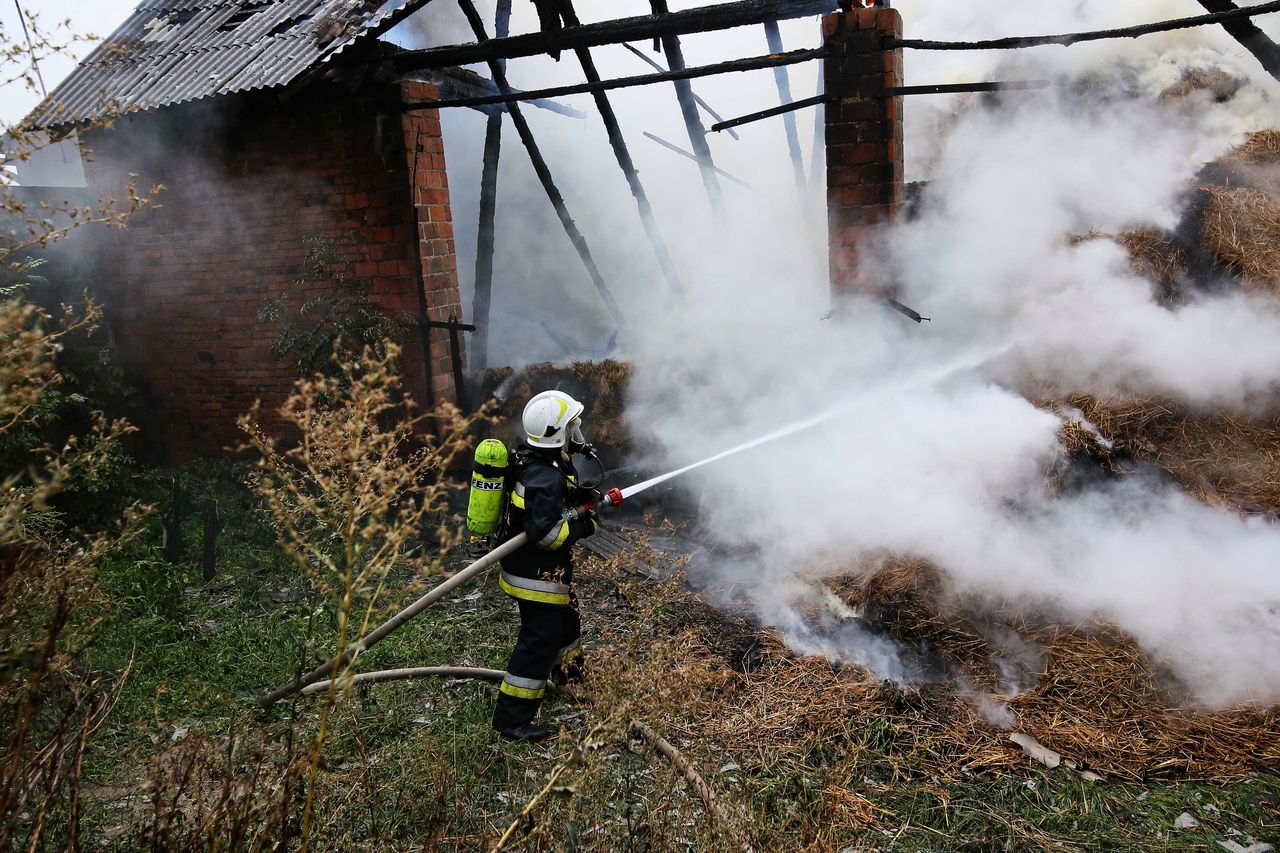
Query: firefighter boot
[[528, 733]]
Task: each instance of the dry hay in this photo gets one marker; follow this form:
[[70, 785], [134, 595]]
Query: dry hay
[[601, 385], [1153, 255], [1220, 85], [1216, 457], [1098, 700], [1241, 227], [1259, 148]]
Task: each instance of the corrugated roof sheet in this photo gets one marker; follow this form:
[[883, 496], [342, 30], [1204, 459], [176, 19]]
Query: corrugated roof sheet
[[173, 51]]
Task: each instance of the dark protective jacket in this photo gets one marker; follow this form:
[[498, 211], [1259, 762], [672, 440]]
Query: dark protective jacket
[[545, 486]]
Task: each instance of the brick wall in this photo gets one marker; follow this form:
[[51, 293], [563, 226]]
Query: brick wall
[[436, 258], [864, 141], [247, 178]]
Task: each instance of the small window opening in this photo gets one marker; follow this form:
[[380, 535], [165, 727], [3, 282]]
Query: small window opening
[[241, 15], [292, 23]]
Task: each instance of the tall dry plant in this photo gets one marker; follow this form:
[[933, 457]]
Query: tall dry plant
[[49, 705], [360, 478]]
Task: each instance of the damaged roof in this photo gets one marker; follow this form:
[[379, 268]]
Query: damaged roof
[[173, 51]]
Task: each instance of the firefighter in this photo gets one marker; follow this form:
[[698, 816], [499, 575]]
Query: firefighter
[[539, 576]]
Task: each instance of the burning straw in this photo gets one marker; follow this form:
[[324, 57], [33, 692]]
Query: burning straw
[[1093, 696]]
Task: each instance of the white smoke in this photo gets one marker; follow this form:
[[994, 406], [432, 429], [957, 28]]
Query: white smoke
[[949, 470], [953, 473]]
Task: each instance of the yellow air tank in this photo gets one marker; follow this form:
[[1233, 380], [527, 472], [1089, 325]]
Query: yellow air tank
[[488, 479]]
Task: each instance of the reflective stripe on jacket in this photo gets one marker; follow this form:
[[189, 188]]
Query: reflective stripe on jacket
[[543, 491]]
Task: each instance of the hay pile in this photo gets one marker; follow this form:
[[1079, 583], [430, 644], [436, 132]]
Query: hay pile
[[1241, 227], [1096, 699], [1240, 211], [1232, 225], [1220, 85], [601, 385], [1219, 458], [1154, 255]]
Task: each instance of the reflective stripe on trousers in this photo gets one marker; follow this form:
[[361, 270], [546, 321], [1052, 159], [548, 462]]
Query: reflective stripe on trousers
[[544, 592], [570, 651], [523, 688]]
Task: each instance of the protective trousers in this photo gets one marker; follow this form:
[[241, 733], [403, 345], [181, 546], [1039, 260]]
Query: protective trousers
[[549, 636]]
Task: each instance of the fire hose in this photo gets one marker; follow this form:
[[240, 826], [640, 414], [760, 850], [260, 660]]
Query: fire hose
[[330, 669]]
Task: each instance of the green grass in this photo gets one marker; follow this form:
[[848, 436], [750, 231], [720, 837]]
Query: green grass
[[416, 763]]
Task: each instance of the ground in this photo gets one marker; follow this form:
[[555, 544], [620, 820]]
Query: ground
[[800, 755]]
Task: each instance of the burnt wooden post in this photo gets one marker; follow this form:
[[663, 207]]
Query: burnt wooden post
[[540, 166], [689, 109], [212, 526], [485, 236], [623, 155], [455, 359], [818, 155], [773, 36], [172, 523]]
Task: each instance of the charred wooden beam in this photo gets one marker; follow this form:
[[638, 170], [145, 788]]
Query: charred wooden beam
[[689, 111], [907, 312], [784, 110], [568, 347], [396, 18], [455, 361], [540, 166], [1251, 38], [818, 153], [1067, 39], [671, 146], [659, 67], [623, 155], [641, 28], [486, 230], [955, 88], [773, 37], [461, 83], [486, 242], [752, 64], [453, 324]]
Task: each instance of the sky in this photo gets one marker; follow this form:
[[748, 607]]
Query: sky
[[96, 17]]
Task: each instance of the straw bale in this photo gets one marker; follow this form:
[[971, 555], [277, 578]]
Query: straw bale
[[1241, 227]]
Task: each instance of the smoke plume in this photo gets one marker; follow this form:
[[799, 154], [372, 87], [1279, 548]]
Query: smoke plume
[[933, 449]]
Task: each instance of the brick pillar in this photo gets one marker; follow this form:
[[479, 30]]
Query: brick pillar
[[437, 262], [864, 141]]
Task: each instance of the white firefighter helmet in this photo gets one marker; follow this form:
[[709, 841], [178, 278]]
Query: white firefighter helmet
[[553, 418]]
